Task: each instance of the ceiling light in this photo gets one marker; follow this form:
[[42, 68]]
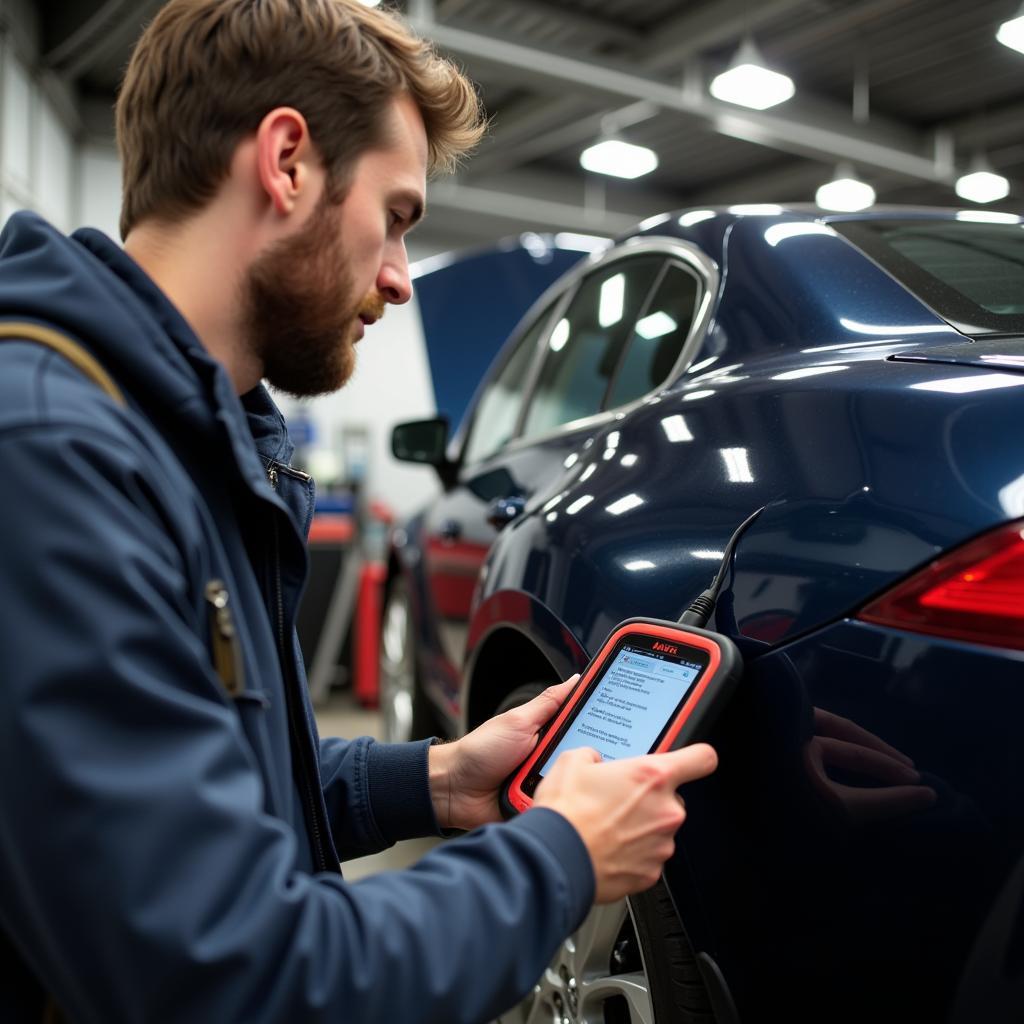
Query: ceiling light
[[655, 325], [845, 193], [737, 465], [749, 83], [619, 159], [612, 300], [578, 504], [559, 336], [987, 217], [1011, 33], [640, 563], [687, 220], [626, 504], [981, 184], [676, 429], [969, 385]]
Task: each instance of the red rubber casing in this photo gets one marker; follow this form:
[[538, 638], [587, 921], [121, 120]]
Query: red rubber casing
[[690, 724]]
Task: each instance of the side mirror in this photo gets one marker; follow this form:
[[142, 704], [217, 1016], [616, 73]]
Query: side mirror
[[424, 441]]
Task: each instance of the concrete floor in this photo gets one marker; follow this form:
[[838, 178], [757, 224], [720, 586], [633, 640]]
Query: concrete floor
[[343, 716]]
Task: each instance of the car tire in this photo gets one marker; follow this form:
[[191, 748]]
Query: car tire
[[633, 958], [406, 713], [630, 962]]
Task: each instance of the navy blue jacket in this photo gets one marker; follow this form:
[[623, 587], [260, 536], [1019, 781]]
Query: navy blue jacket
[[169, 851]]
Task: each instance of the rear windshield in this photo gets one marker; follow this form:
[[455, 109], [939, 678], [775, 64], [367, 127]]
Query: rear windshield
[[971, 274]]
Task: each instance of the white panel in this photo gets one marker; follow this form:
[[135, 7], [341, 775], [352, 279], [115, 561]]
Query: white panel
[[99, 189], [53, 168], [17, 114]]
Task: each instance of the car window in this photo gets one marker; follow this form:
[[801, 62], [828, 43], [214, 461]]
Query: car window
[[658, 337], [585, 346], [498, 409]]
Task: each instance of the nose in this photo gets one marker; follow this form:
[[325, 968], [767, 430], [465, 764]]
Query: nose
[[393, 280]]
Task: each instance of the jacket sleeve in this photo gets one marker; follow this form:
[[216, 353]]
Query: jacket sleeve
[[139, 875], [391, 780]]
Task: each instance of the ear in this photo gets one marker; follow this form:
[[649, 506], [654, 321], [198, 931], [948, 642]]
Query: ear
[[285, 158]]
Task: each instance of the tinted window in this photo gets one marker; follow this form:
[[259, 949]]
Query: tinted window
[[498, 409], [585, 346], [658, 337], [971, 274]]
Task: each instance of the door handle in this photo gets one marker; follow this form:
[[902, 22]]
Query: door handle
[[502, 511]]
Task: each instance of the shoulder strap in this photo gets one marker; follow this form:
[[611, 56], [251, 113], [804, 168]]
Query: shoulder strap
[[12, 330]]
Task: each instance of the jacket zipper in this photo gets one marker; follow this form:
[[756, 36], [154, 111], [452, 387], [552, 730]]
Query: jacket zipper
[[227, 654], [298, 734], [274, 468]]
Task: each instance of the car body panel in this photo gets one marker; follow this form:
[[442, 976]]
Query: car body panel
[[875, 437]]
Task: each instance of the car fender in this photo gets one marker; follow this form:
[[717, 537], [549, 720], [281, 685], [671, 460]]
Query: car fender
[[514, 630]]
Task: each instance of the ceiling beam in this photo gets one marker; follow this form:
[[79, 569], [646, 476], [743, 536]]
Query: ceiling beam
[[819, 129]]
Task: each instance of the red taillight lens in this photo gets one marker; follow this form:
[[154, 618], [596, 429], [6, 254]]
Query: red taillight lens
[[975, 593]]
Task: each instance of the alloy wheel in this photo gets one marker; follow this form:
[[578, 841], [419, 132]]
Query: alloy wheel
[[596, 977], [397, 671]]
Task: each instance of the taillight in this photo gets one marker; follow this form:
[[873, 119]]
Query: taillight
[[975, 593]]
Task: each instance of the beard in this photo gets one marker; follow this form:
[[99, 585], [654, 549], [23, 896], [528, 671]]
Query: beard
[[300, 312]]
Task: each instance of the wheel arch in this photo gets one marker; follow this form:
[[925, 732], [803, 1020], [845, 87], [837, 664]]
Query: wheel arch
[[513, 639]]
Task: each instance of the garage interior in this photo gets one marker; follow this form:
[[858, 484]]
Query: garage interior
[[882, 102]]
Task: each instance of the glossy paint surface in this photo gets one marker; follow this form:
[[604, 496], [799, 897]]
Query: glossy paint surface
[[838, 884]]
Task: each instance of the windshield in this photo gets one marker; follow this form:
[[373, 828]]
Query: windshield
[[971, 274]]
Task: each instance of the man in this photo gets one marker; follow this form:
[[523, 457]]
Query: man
[[170, 824]]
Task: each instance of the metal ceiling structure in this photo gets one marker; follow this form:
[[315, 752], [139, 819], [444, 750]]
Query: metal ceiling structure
[[905, 90]]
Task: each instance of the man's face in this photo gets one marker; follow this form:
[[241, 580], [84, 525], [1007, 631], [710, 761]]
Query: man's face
[[310, 296]]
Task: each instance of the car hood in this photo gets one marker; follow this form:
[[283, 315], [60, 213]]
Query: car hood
[[1002, 353]]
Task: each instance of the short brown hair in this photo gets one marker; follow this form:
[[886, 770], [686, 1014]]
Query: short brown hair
[[206, 72]]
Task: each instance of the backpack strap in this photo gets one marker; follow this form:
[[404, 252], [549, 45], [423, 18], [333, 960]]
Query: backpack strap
[[14, 330]]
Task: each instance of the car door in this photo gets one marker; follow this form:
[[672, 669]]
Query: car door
[[550, 389]]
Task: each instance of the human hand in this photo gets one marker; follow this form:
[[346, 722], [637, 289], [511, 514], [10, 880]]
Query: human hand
[[627, 812], [465, 775], [843, 745]]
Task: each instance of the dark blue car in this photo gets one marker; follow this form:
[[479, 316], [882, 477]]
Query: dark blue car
[[859, 855]]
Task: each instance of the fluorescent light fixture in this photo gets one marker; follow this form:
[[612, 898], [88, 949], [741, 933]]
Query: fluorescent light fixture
[[608, 454], [780, 232], [613, 439], [588, 472], [655, 325], [809, 371], [571, 460], [756, 209], [687, 220], [640, 563], [1011, 33], [556, 500], [748, 83], [536, 245], [703, 364], [982, 186], [676, 429], [628, 460], [694, 395], [737, 465], [845, 192], [626, 504], [891, 330], [581, 243], [715, 556], [610, 305], [559, 336], [1011, 497], [619, 159], [653, 222], [551, 517], [987, 217], [968, 384], [578, 504]]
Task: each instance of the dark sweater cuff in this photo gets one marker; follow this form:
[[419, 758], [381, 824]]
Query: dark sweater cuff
[[399, 782], [563, 842]]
